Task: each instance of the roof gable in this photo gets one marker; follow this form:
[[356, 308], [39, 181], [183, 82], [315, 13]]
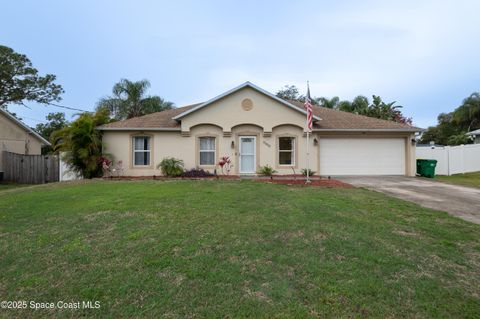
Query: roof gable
[[24, 126], [238, 88]]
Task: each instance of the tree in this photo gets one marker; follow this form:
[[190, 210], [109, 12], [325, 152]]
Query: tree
[[360, 105], [453, 126], [467, 115], [19, 81], [56, 122], [332, 103], [387, 111], [445, 133], [290, 93], [82, 143], [129, 100]]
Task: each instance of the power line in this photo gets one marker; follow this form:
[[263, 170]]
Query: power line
[[69, 108]]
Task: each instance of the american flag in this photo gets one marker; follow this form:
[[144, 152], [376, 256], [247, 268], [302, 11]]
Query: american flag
[[308, 107]]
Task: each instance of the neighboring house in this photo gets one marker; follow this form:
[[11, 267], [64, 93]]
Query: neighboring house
[[17, 137], [256, 128], [475, 135]]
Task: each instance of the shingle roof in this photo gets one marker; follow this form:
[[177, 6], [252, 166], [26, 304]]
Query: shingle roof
[[158, 120], [339, 120], [330, 120]]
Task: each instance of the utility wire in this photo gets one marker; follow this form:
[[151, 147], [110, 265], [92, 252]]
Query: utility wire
[[69, 108]]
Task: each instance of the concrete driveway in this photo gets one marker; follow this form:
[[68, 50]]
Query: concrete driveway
[[460, 201]]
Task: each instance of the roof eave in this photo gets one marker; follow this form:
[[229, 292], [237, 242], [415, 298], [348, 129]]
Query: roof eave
[[166, 129], [370, 130]]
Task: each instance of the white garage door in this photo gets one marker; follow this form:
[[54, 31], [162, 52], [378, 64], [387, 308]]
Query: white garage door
[[362, 156]]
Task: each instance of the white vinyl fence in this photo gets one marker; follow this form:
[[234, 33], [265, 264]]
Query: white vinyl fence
[[65, 173], [452, 159]]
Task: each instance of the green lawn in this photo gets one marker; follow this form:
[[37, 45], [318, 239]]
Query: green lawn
[[5, 186], [215, 249], [468, 179]]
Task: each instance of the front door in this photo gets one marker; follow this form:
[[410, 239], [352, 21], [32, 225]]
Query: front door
[[247, 154]]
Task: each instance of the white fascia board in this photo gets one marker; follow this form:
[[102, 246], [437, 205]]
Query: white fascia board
[[167, 129], [370, 130]]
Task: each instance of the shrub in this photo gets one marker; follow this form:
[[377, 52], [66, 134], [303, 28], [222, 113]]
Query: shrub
[[310, 172], [171, 166], [197, 172], [82, 144], [266, 170], [106, 164]]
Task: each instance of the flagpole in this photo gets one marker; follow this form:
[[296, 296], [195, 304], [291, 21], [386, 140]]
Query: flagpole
[[308, 157], [307, 181]]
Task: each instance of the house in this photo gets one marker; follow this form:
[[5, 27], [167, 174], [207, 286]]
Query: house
[[256, 128], [475, 135], [17, 137]]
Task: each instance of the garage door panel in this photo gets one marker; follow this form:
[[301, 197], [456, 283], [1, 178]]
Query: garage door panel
[[362, 156]]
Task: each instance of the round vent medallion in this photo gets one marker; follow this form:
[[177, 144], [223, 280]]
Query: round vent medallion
[[247, 104]]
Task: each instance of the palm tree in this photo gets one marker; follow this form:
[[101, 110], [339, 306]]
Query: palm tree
[[82, 143], [467, 116], [328, 103], [382, 110], [129, 100], [359, 105]]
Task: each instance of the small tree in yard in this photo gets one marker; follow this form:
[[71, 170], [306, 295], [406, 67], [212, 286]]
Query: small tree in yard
[[82, 143]]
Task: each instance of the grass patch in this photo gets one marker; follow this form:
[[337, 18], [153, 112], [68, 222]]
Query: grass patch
[[467, 179], [234, 249], [5, 186]]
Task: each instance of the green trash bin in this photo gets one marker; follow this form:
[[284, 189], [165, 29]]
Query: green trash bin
[[426, 167]]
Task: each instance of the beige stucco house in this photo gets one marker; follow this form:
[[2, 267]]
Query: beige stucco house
[[17, 137], [256, 128]]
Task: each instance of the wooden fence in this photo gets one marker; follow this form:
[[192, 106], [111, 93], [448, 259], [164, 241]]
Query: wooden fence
[[30, 169]]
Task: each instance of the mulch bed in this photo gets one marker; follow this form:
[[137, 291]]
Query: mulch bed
[[298, 180]]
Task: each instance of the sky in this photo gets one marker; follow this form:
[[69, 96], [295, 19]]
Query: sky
[[422, 54]]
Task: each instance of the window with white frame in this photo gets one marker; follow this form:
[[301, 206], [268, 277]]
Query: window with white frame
[[141, 151], [286, 151], [207, 150]]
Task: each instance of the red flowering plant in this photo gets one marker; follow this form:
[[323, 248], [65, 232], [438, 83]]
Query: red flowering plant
[[106, 164], [226, 164]]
